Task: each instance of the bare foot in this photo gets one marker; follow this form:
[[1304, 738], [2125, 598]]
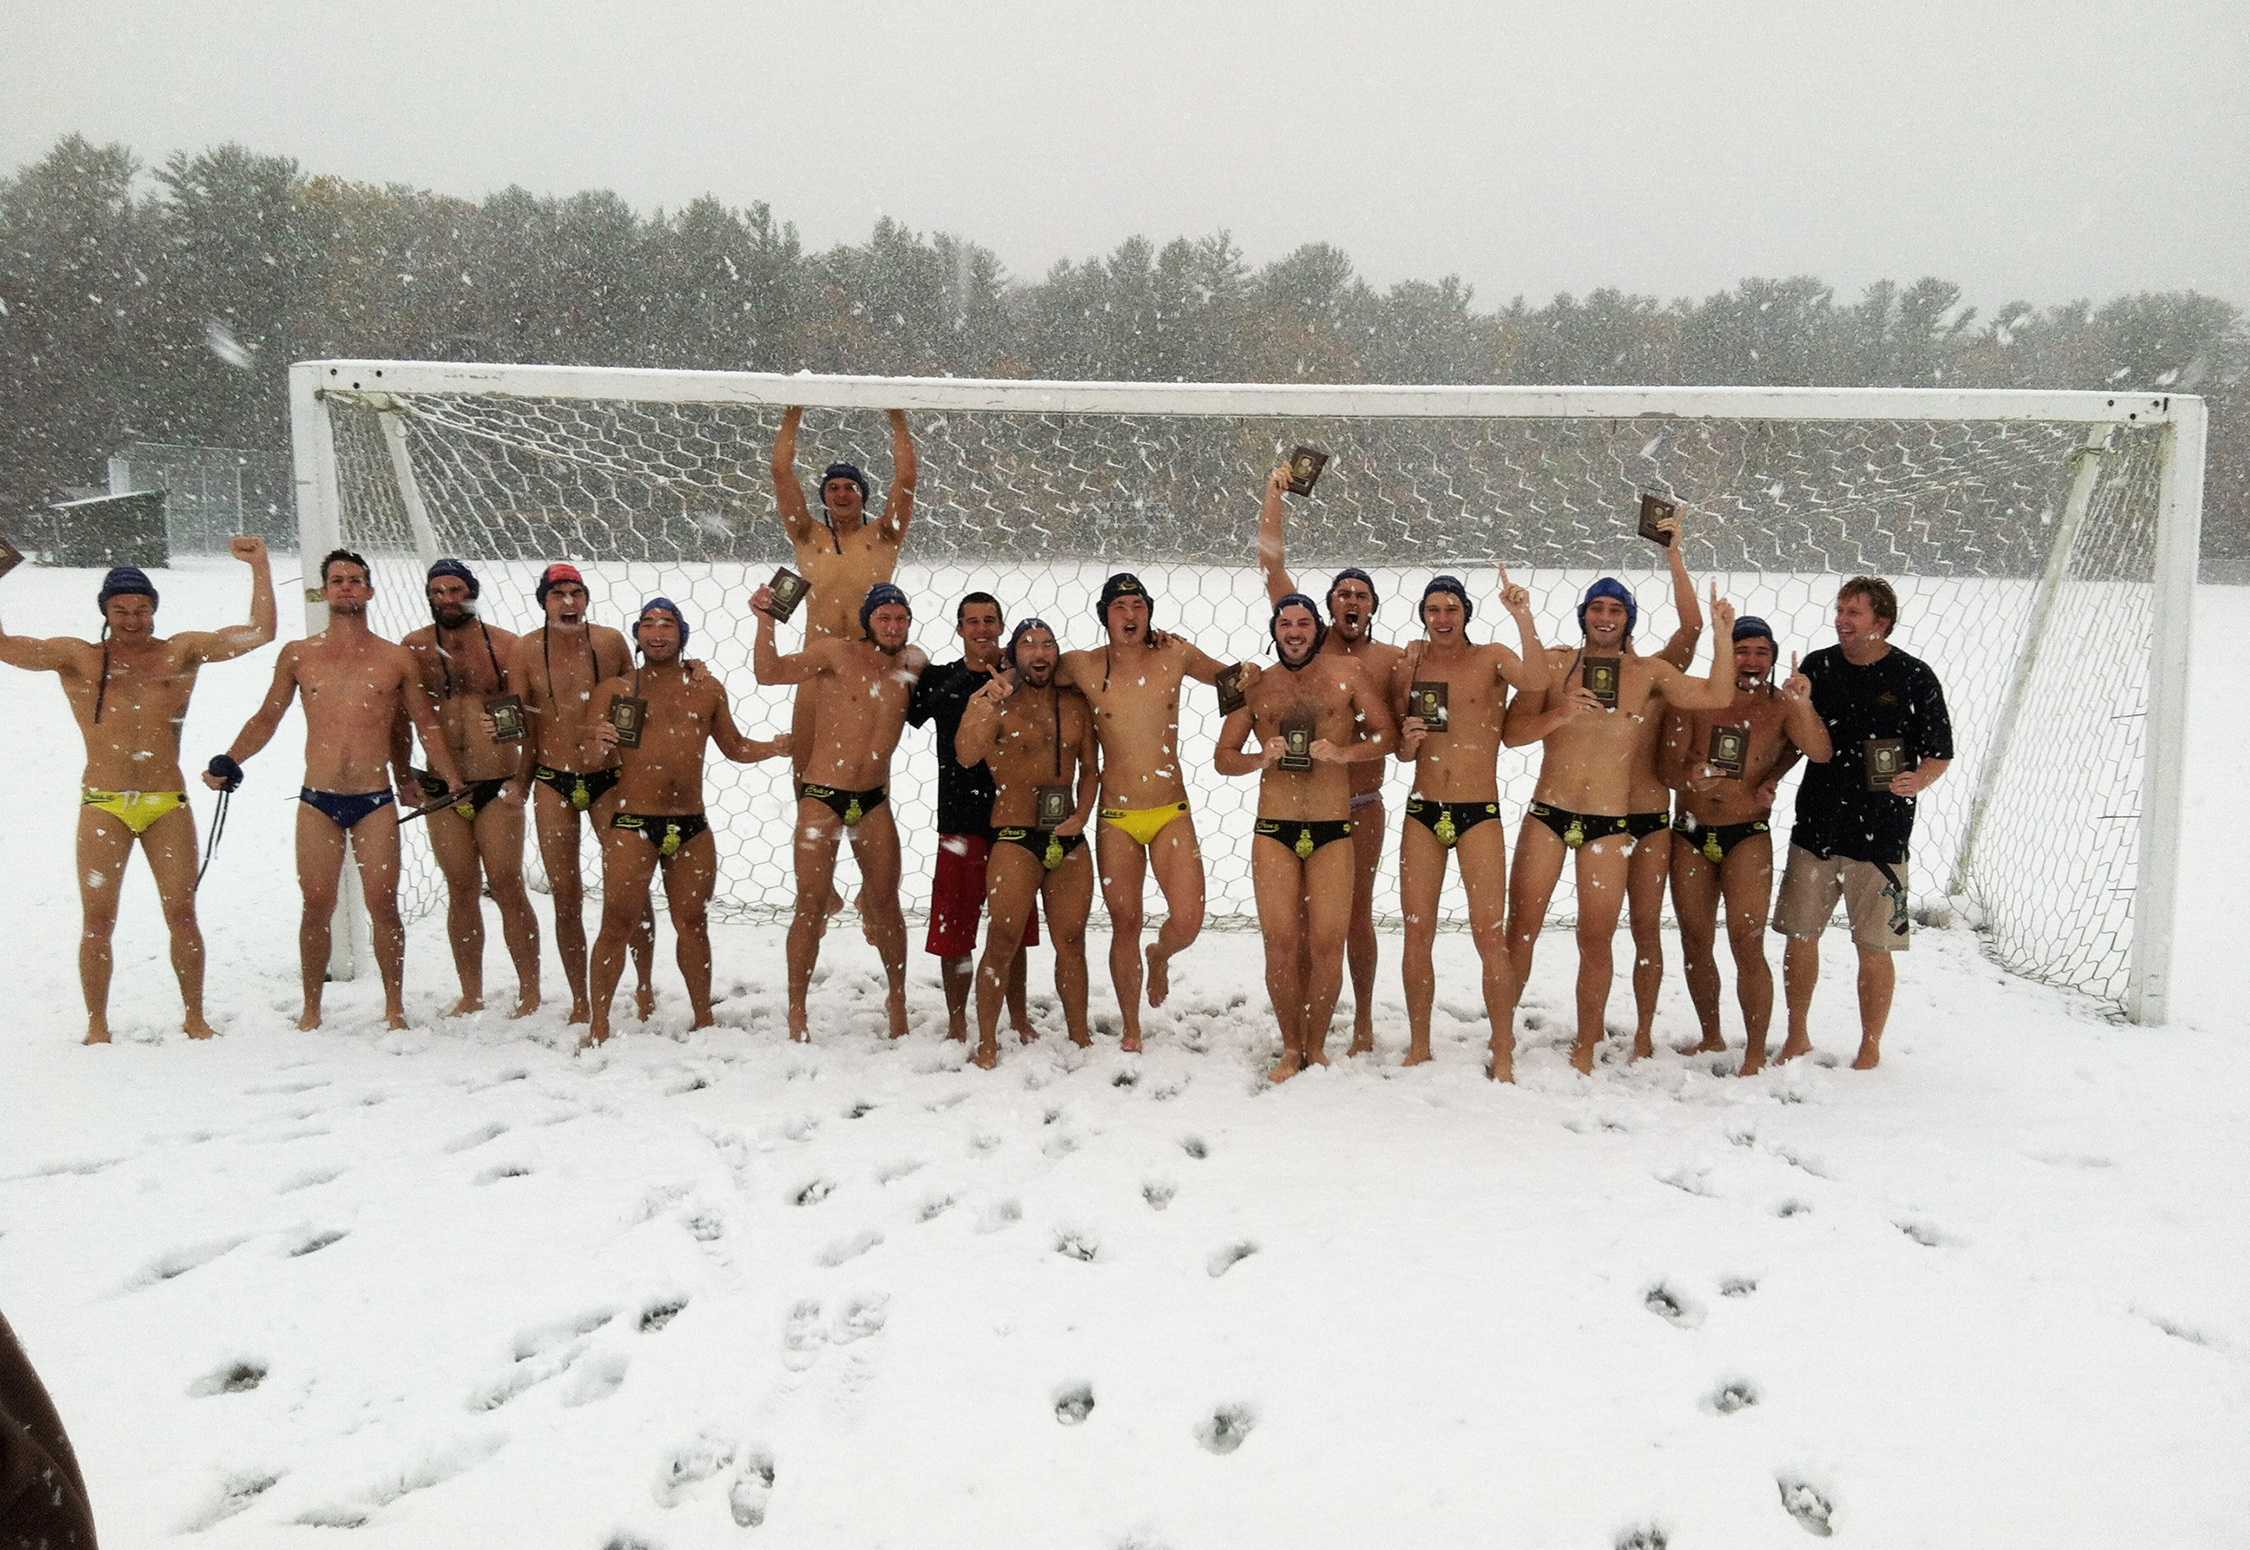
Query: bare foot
[[597, 1034], [644, 1002], [1159, 977], [1130, 1044], [581, 1010], [196, 1028], [96, 1033], [702, 1017], [306, 1023], [1362, 1044], [527, 1002], [958, 1030], [1582, 1059], [465, 1006], [1026, 1034], [1753, 1060], [1082, 1040], [987, 1055], [894, 1007], [1791, 1048], [1417, 1055], [1286, 1067], [1643, 1047], [1317, 1055], [797, 1034], [1713, 1045], [396, 1021], [1870, 1056], [1504, 1062], [835, 904]]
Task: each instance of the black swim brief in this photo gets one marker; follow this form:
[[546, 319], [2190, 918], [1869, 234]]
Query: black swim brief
[[1306, 835], [1576, 829], [1450, 820], [344, 809], [668, 832], [579, 790], [473, 799], [1051, 848], [1642, 825], [851, 806], [1717, 840]]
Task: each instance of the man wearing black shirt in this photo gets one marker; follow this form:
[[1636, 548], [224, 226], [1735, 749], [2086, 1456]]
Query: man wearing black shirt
[[1885, 712], [964, 817]]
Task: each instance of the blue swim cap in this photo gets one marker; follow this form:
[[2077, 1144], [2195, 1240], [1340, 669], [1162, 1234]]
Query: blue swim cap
[[877, 595], [1354, 573], [661, 605], [451, 567], [1320, 627], [1453, 585], [843, 471], [1615, 590], [125, 581], [1750, 625], [1123, 584]]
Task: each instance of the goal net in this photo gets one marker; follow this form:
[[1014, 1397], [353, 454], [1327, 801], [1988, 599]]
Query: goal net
[[2042, 545]]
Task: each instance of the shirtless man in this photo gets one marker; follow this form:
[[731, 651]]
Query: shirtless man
[[1725, 842], [1351, 614], [1034, 736], [1299, 872], [657, 822], [839, 554], [556, 669], [355, 686], [860, 691], [129, 692], [1456, 794], [478, 841], [1133, 685], [1586, 781]]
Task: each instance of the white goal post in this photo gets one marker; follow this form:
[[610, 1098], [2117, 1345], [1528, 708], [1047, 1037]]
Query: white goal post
[[2044, 545]]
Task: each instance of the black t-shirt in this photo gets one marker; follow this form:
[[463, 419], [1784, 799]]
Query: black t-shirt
[[964, 803], [1894, 696]]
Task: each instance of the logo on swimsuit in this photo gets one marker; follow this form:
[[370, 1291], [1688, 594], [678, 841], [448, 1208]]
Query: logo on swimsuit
[[671, 842], [852, 813], [1304, 845], [580, 797], [1711, 848], [1575, 835], [1052, 857], [1445, 831]]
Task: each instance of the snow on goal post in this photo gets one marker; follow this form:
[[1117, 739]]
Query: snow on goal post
[[2043, 546]]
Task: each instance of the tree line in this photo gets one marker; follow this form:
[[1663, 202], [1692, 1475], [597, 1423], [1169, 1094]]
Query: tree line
[[168, 309]]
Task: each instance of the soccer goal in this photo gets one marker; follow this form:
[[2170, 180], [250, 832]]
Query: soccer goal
[[2043, 546]]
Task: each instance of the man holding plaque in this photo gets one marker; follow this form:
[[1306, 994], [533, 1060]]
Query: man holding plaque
[[478, 837], [1351, 617], [1319, 714], [129, 693], [1038, 741], [1453, 697], [555, 671], [1600, 719], [1723, 763], [964, 814], [356, 686], [1133, 684], [1885, 713], [860, 690], [657, 823], [840, 555]]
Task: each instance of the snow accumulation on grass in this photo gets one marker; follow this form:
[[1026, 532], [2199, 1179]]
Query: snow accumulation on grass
[[453, 1286]]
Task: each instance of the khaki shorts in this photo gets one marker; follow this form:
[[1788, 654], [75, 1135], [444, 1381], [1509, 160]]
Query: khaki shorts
[[1811, 886]]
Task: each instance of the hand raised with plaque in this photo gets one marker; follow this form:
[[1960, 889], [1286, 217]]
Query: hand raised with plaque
[[761, 601]]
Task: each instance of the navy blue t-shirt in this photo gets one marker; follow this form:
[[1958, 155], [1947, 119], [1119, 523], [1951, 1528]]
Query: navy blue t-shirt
[[964, 804], [1894, 696]]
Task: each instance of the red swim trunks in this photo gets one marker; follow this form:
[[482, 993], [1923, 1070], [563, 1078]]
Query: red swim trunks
[[957, 897]]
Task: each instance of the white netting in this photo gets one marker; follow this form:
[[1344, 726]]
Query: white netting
[[1036, 507]]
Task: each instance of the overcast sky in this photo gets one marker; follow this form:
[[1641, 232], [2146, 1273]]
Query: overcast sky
[[2037, 150]]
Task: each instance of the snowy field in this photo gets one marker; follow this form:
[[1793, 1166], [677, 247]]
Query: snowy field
[[452, 1286]]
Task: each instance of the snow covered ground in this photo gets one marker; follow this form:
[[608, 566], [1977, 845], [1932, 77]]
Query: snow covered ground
[[452, 1286]]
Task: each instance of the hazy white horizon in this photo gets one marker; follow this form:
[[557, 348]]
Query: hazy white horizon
[[2035, 152]]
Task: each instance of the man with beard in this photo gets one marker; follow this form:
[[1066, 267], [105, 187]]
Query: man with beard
[[1885, 712], [477, 839], [129, 693], [1351, 614], [860, 691], [840, 554], [356, 685], [1133, 685], [557, 668], [1725, 840], [1299, 870], [1454, 746], [964, 815], [1038, 740], [657, 822], [1582, 803]]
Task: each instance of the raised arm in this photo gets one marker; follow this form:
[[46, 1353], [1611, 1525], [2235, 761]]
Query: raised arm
[[788, 494], [1715, 690], [728, 738], [766, 660], [1679, 650], [1531, 672], [239, 639], [898, 506], [1273, 556], [1808, 734], [259, 729], [1204, 669], [56, 654]]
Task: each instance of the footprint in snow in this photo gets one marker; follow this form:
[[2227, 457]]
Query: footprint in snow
[[1814, 1513], [235, 1492], [1923, 1233], [1158, 1193], [752, 1491], [1225, 1259], [477, 1137], [859, 1318], [1073, 1403], [236, 1377], [1673, 1307], [1643, 1536], [1732, 1395], [174, 1263], [1195, 1147], [1738, 1286], [850, 1248], [802, 1337], [658, 1314], [1228, 1424], [689, 1465], [310, 1178], [1075, 1243], [596, 1379], [813, 1193]]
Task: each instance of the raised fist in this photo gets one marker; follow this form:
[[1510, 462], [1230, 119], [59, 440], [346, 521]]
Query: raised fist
[[248, 548]]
